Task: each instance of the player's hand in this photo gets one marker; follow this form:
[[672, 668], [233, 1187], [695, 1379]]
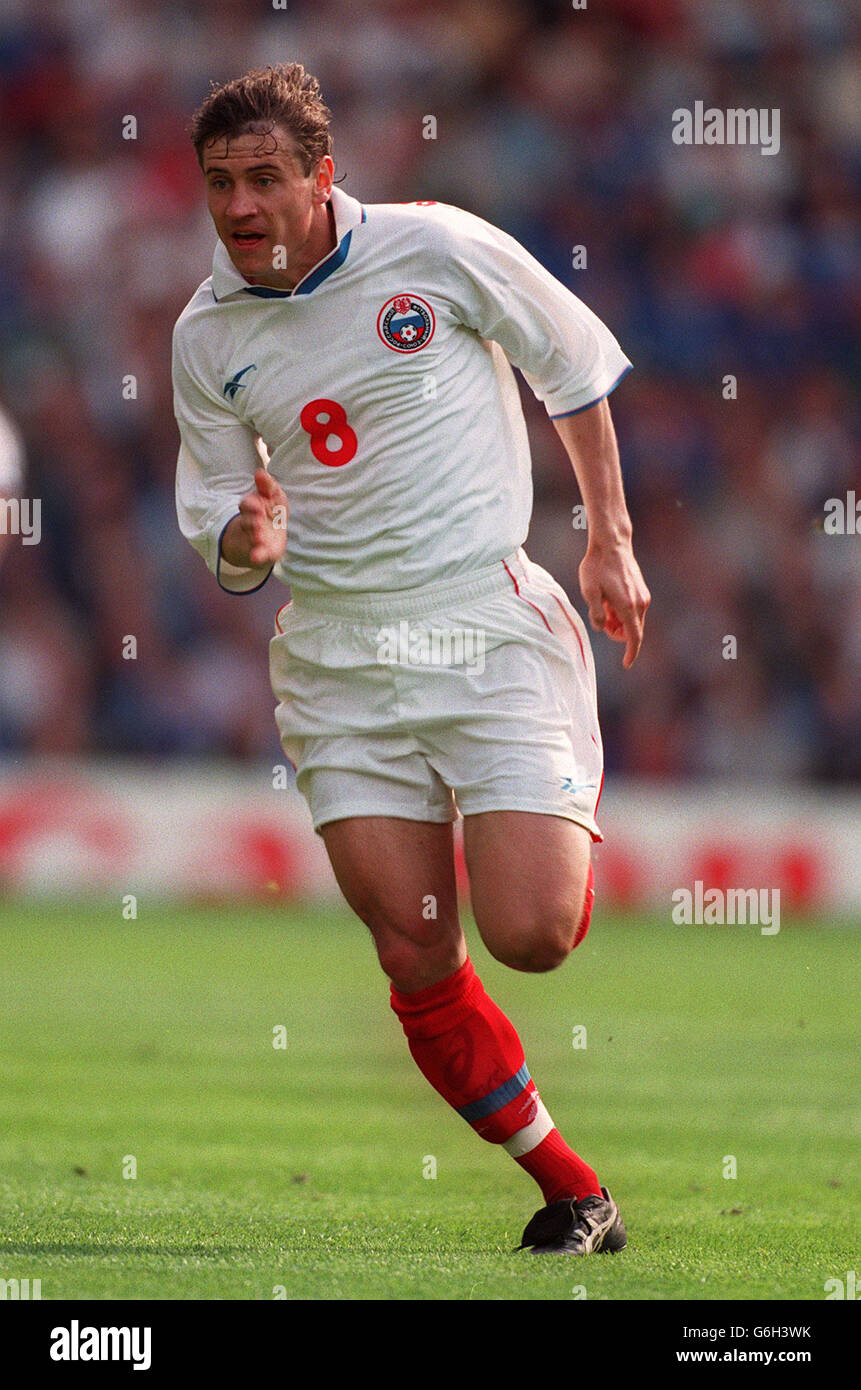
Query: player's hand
[[616, 593], [260, 530]]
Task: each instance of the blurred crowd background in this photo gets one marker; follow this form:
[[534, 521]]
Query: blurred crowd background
[[554, 123]]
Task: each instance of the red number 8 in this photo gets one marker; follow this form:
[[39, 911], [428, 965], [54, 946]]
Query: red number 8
[[323, 419]]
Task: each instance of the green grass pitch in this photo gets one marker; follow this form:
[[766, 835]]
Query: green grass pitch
[[304, 1170]]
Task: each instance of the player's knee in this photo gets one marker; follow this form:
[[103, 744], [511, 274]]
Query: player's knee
[[534, 958], [538, 949], [400, 961], [413, 952], [544, 940], [411, 967]]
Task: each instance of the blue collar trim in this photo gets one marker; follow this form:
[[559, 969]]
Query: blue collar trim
[[315, 278]]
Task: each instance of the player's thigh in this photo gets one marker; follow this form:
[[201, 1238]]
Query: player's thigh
[[528, 876], [398, 876]]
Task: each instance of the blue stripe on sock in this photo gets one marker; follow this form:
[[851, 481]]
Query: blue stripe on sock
[[488, 1105]]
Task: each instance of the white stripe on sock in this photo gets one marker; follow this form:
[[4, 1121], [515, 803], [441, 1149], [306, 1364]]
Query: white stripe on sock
[[530, 1137]]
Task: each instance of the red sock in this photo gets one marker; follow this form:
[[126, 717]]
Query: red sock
[[469, 1052]]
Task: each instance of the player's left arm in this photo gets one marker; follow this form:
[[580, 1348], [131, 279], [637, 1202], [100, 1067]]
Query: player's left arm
[[610, 578], [571, 361]]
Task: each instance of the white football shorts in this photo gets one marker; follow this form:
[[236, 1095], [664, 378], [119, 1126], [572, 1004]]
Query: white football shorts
[[474, 694]]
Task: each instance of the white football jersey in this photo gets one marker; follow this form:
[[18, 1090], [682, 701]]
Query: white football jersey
[[382, 389]]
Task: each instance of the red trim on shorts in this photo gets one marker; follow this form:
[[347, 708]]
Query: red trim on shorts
[[526, 600], [278, 615], [600, 789], [571, 625]]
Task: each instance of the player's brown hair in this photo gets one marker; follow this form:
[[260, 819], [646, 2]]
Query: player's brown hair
[[284, 95]]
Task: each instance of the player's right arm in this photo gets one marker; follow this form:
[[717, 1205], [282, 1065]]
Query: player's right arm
[[229, 507]]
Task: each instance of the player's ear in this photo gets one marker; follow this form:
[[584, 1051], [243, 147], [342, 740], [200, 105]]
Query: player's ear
[[323, 175]]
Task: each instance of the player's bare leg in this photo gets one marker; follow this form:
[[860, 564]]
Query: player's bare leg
[[463, 1044], [528, 878], [387, 868]]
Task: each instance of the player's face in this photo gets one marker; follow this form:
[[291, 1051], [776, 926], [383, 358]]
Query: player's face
[[260, 199]]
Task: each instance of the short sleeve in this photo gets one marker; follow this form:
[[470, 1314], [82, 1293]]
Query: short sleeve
[[568, 356]]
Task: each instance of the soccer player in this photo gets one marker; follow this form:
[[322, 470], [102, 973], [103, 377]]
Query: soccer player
[[350, 422]]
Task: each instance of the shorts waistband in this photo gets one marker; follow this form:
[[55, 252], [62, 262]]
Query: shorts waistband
[[411, 603]]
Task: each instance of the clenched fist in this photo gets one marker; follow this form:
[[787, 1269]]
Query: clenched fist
[[257, 537]]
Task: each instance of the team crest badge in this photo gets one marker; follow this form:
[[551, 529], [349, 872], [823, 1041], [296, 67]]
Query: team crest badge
[[406, 323]]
